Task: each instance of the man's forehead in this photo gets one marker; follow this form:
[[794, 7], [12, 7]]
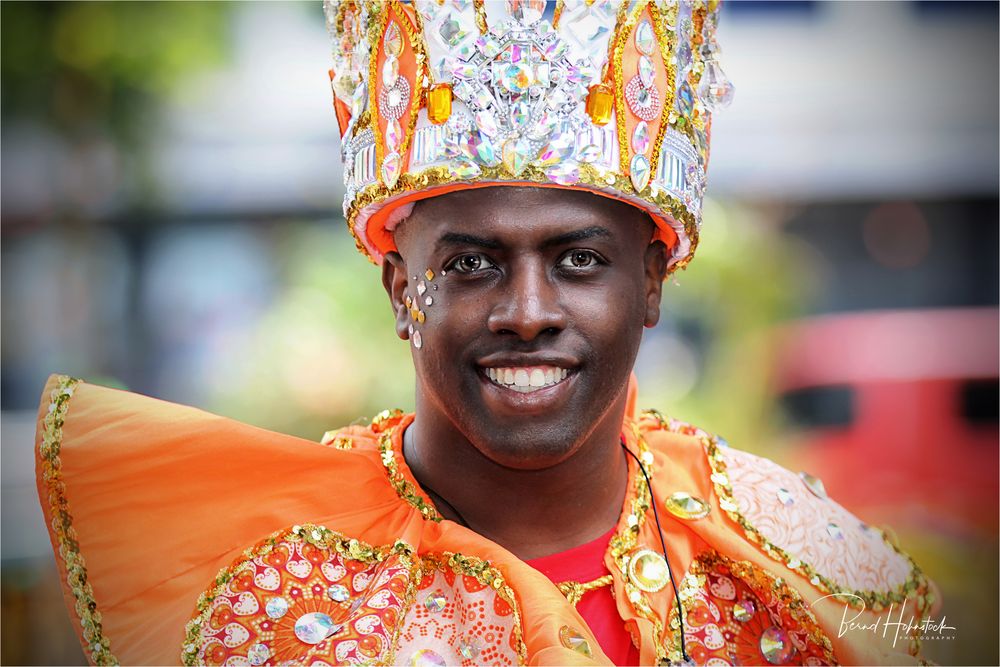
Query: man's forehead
[[498, 212]]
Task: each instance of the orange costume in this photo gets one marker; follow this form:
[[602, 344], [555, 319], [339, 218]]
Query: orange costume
[[186, 537]]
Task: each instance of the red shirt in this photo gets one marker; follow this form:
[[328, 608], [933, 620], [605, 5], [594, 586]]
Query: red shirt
[[598, 608]]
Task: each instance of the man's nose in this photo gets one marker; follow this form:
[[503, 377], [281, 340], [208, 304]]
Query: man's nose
[[528, 303]]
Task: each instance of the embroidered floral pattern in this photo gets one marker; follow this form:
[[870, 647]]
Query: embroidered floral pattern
[[259, 609]]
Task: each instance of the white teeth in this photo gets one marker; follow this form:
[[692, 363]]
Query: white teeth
[[527, 379]]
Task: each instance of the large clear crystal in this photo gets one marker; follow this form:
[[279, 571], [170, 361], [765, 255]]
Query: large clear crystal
[[486, 121], [715, 90], [390, 71], [645, 38], [639, 172], [517, 153], [315, 627], [393, 135], [564, 173], [526, 11], [647, 73], [640, 137], [559, 148], [516, 77], [520, 114], [393, 41]]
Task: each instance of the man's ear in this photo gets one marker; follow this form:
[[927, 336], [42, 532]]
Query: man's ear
[[395, 282], [656, 271]]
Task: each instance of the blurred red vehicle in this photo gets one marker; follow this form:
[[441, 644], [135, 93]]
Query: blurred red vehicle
[[897, 412]]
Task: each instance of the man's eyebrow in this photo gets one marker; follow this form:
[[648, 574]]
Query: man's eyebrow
[[577, 235], [456, 238]]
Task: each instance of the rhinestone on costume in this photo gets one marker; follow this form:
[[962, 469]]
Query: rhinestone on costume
[[600, 103], [426, 658], [639, 172], [715, 90], [776, 646], [785, 497], [640, 137], [644, 102], [390, 170], [744, 610], [648, 570], [685, 506], [685, 99], [258, 654], [834, 531], [565, 173], [393, 40], [276, 607], [314, 627], [470, 647], [516, 77], [390, 71], [338, 593], [645, 39], [814, 484], [520, 114], [647, 73], [517, 152], [573, 640], [589, 153], [439, 103], [393, 136], [435, 602]]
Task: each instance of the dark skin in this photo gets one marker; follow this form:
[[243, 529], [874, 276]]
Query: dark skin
[[526, 278]]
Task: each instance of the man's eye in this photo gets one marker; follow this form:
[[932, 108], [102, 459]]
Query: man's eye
[[579, 259], [471, 263]]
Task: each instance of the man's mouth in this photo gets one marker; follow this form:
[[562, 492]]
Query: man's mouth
[[526, 379]]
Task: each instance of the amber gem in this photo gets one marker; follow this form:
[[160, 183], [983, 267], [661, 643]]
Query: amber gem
[[600, 102], [439, 103]]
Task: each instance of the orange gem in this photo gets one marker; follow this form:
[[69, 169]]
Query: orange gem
[[439, 103], [600, 103]]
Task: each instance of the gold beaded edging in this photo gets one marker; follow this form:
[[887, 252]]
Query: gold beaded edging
[[670, 63], [404, 489], [623, 543], [487, 575], [758, 580], [480, 9], [98, 646], [318, 536], [590, 176]]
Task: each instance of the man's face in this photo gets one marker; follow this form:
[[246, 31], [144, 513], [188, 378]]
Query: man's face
[[533, 317]]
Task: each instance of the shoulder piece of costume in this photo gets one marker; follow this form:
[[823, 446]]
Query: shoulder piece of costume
[[769, 529]]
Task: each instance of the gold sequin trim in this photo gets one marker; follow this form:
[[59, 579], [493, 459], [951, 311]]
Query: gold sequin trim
[[480, 9], [486, 574], [98, 647], [666, 53], [623, 543], [318, 536], [758, 580], [404, 489]]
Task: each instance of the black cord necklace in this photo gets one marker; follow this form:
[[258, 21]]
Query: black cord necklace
[[663, 545]]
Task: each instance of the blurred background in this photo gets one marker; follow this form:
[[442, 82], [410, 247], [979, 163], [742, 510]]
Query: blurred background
[[171, 224]]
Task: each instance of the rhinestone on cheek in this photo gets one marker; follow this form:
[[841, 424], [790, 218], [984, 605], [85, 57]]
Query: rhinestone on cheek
[[417, 340]]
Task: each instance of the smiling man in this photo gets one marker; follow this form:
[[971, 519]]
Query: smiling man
[[527, 176]]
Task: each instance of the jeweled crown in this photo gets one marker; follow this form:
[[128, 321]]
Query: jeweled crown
[[608, 96]]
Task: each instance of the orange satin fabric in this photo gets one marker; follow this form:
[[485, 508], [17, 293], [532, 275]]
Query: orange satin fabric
[[163, 496]]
